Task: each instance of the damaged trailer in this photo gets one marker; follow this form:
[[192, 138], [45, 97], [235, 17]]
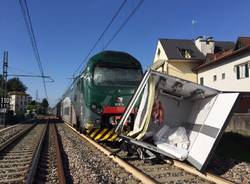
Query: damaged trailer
[[177, 118]]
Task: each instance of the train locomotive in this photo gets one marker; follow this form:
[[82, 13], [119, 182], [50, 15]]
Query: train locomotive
[[97, 98]]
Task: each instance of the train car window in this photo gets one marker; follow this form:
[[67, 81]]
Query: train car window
[[81, 86], [106, 76], [78, 84], [66, 111]]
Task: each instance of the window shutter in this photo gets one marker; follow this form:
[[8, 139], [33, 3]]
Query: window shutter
[[238, 72], [246, 71]]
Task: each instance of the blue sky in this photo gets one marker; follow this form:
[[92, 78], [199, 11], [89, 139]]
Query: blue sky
[[66, 30]]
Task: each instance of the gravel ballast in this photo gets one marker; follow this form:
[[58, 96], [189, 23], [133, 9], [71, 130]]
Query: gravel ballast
[[11, 131], [87, 164], [231, 169]]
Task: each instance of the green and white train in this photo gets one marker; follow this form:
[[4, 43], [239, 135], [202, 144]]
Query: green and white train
[[99, 95]]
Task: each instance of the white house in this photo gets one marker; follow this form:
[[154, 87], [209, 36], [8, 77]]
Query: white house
[[229, 71], [19, 101]]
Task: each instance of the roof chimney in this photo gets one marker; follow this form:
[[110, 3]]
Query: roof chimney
[[205, 45]]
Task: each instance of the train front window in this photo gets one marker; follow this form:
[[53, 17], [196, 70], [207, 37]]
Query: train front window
[[104, 76]]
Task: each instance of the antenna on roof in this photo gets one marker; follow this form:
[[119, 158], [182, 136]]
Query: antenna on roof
[[193, 23]]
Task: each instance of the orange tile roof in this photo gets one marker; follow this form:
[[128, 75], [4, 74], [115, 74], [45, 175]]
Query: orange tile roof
[[244, 40], [218, 57]]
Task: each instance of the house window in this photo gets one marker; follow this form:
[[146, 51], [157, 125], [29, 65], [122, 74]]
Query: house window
[[186, 53], [242, 71], [215, 78], [158, 52], [223, 76], [201, 81]]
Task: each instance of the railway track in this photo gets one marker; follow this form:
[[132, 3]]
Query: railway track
[[50, 167], [22, 155], [160, 171], [10, 132]]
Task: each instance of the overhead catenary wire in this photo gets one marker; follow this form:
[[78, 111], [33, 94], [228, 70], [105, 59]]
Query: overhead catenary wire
[[28, 23], [101, 36], [124, 23], [26, 74], [14, 70], [37, 76]]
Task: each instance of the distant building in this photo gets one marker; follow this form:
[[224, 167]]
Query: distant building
[[178, 57], [19, 101], [4, 104]]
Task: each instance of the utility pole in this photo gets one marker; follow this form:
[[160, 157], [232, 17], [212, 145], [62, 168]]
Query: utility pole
[[37, 95], [4, 100]]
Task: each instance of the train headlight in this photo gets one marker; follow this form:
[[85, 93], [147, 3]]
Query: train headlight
[[119, 99], [88, 125], [98, 121], [112, 120], [94, 107]]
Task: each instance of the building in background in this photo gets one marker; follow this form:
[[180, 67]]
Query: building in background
[[19, 102], [229, 71], [178, 57], [223, 65]]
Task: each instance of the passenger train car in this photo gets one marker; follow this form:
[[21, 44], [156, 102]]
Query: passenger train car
[[98, 96]]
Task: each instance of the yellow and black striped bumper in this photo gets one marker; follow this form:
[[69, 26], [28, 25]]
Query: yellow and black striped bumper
[[104, 134]]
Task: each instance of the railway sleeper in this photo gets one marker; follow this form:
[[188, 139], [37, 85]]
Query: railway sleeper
[[12, 180], [16, 161], [10, 169]]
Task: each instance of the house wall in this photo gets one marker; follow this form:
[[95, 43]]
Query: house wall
[[12, 103], [230, 83], [162, 55], [18, 103], [182, 70]]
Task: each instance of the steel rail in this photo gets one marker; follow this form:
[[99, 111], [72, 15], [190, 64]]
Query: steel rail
[[15, 137], [144, 177], [128, 167], [32, 170], [60, 170], [7, 128], [206, 175]]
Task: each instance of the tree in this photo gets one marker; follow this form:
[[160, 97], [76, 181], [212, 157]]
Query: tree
[[1, 87], [45, 105], [15, 84], [1, 79], [32, 106]]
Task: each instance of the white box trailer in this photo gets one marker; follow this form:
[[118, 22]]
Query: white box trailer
[[191, 111]]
